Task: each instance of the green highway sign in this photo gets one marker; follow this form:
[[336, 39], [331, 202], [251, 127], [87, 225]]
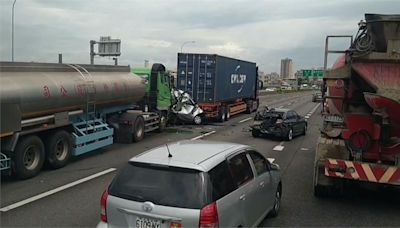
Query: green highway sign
[[313, 73]]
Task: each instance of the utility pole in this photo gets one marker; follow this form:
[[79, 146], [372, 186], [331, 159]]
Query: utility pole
[[12, 32]]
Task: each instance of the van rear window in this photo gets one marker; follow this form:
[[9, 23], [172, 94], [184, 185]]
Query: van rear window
[[162, 185]]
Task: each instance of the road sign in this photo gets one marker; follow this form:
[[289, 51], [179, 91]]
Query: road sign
[[109, 47], [313, 73]]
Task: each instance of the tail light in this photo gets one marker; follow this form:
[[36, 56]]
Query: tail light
[[209, 216], [103, 205]]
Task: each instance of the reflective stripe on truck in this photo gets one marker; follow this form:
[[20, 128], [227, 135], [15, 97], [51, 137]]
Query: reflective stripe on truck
[[377, 173]]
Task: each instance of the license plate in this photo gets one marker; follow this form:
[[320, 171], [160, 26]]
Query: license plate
[[148, 223]]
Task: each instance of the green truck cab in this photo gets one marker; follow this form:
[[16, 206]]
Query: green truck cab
[[158, 85]]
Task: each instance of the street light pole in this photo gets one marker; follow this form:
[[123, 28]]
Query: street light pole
[[12, 32], [187, 42]]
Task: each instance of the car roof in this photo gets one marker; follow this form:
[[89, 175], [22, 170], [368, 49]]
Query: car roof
[[201, 155]]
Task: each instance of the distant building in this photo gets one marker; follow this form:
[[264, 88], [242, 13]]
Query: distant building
[[287, 69], [263, 77]]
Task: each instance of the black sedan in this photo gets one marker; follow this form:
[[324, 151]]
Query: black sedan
[[283, 123]]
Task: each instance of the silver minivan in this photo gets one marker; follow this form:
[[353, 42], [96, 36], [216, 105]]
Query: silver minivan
[[193, 184]]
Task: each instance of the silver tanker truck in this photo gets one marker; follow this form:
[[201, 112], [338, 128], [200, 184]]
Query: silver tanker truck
[[50, 112]]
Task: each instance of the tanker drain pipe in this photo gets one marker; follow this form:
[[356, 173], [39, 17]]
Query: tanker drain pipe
[[43, 119]]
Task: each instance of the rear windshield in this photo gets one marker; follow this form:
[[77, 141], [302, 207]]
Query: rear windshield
[[162, 185]]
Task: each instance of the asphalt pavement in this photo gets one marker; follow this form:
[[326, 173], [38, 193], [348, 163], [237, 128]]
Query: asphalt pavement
[[70, 196]]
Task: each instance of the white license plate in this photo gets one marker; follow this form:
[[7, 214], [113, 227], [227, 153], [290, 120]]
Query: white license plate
[[147, 223]]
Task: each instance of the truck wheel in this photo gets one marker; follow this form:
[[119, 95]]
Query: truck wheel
[[228, 114], [58, 149], [29, 157], [198, 120], [320, 191], [249, 108], [222, 115], [163, 122], [138, 131]]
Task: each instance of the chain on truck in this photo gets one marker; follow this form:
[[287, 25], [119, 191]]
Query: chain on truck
[[50, 112], [360, 139]]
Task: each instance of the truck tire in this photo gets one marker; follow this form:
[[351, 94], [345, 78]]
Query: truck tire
[[228, 114], [29, 157], [58, 149], [163, 122], [138, 129], [249, 108], [222, 115]]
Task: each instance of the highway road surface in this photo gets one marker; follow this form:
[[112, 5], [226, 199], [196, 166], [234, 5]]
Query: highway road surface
[[70, 196]]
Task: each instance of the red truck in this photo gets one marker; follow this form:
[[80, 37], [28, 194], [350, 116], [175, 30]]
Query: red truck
[[360, 138]]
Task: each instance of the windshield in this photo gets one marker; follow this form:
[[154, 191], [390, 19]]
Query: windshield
[[162, 185]]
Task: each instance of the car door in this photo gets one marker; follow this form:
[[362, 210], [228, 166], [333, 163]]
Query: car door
[[300, 123], [290, 121], [265, 191], [243, 177], [295, 124], [226, 195]]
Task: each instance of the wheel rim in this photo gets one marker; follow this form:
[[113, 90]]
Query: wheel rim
[[31, 157], [61, 149], [197, 120], [277, 200], [290, 134], [139, 132], [162, 121]]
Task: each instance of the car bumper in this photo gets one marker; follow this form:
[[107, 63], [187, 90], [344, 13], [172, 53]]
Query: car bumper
[[278, 132]]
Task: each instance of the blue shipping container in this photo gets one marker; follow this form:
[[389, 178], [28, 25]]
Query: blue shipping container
[[214, 78]]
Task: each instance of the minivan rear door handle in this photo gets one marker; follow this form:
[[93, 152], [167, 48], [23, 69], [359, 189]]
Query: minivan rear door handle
[[242, 197]]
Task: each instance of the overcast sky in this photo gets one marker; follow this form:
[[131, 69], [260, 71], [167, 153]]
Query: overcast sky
[[260, 31]]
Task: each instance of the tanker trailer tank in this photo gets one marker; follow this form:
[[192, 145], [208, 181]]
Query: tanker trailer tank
[[50, 112]]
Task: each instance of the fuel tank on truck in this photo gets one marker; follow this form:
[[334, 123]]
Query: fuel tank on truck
[[29, 90]]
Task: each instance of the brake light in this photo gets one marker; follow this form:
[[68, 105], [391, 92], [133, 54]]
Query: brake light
[[103, 205], [209, 216]]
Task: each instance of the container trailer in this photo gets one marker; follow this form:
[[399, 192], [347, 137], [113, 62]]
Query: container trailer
[[221, 86]]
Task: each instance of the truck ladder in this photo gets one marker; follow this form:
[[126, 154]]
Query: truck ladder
[[90, 93]]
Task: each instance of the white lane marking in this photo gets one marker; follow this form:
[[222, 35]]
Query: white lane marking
[[278, 148], [244, 120], [203, 135], [309, 114], [304, 148], [53, 191], [281, 106]]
